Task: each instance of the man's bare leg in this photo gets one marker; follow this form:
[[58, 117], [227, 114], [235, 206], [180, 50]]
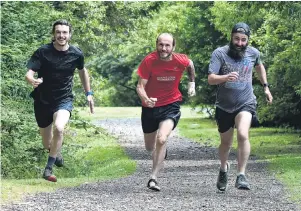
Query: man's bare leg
[[61, 118], [164, 131], [47, 135], [224, 150], [224, 147], [150, 141], [243, 124]]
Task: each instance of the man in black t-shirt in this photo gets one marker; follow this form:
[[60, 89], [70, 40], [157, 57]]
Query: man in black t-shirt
[[55, 64]]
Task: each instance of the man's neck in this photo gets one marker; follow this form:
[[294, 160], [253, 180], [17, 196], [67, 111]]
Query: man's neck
[[61, 47]]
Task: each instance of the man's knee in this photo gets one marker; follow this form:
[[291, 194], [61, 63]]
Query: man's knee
[[241, 137], [150, 140], [161, 139], [149, 144], [58, 129], [226, 144], [149, 148]]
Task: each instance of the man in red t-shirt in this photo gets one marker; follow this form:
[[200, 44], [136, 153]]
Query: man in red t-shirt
[[158, 88]]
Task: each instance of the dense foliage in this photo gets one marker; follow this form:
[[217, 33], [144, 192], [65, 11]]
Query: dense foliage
[[115, 36]]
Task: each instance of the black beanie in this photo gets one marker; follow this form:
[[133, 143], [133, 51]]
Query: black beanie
[[242, 28]]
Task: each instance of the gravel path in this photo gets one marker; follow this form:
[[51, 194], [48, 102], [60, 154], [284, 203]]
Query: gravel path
[[188, 182]]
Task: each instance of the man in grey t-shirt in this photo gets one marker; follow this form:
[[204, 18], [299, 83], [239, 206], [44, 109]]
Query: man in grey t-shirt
[[231, 69]]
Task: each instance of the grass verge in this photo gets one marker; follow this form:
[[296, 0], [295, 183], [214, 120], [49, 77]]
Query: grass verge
[[281, 147], [129, 112], [89, 155]]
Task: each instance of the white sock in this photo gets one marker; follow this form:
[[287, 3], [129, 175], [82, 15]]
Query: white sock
[[240, 173], [224, 170]]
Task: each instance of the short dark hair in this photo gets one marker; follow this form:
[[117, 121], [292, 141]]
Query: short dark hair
[[61, 22], [173, 39]]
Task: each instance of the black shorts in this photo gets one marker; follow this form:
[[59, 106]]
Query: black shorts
[[226, 120], [151, 117], [44, 112]]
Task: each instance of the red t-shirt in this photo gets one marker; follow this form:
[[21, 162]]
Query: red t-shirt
[[163, 77]]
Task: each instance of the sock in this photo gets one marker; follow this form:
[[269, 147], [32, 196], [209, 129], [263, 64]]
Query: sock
[[50, 162], [240, 173], [225, 169]]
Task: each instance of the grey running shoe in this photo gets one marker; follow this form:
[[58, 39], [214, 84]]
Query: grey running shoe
[[59, 161], [222, 179], [47, 175], [242, 183]]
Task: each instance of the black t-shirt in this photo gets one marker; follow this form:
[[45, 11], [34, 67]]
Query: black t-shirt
[[57, 70]]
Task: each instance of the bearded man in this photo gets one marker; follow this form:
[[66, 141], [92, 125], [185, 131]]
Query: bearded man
[[231, 68], [160, 74]]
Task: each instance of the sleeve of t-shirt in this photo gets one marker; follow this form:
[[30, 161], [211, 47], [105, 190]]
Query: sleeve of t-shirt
[[257, 59], [143, 70], [215, 63], [34, 63], [184, 60], [81, 62]]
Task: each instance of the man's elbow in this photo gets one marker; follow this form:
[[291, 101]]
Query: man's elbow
[[138, 87], [211, 81]]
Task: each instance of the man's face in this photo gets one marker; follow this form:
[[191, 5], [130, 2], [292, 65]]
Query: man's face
[[165, 47], [62, 34], [240, 41], [238, 46]]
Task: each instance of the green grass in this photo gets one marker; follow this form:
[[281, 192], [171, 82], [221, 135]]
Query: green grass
[[129, 112], [15, 190], [110, 112], [282, 148], [89, 156]]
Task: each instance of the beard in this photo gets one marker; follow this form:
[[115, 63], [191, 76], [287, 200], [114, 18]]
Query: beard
[[166, 57], [237, 52]]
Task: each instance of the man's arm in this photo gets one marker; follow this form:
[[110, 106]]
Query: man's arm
[[150, 102], [191, 76], [214, 79], [191, 71], [84, 77], [215, 65], [31, 80], [263, 79]]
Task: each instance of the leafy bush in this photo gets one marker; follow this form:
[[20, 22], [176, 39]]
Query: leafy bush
[[21, 148]]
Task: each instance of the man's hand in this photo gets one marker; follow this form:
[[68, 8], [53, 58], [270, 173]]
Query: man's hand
[[91, 103], [36, 82], [191, 89], [151, 102], [233, 76], [268, 95]]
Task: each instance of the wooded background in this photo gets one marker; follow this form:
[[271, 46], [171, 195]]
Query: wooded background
[[116, 36]]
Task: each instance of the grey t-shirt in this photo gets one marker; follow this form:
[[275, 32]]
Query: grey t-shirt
[[231, 96]]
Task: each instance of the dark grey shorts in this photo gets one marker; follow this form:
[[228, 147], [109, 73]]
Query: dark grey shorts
[[44, 112], [226, 120], [151, 117]]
